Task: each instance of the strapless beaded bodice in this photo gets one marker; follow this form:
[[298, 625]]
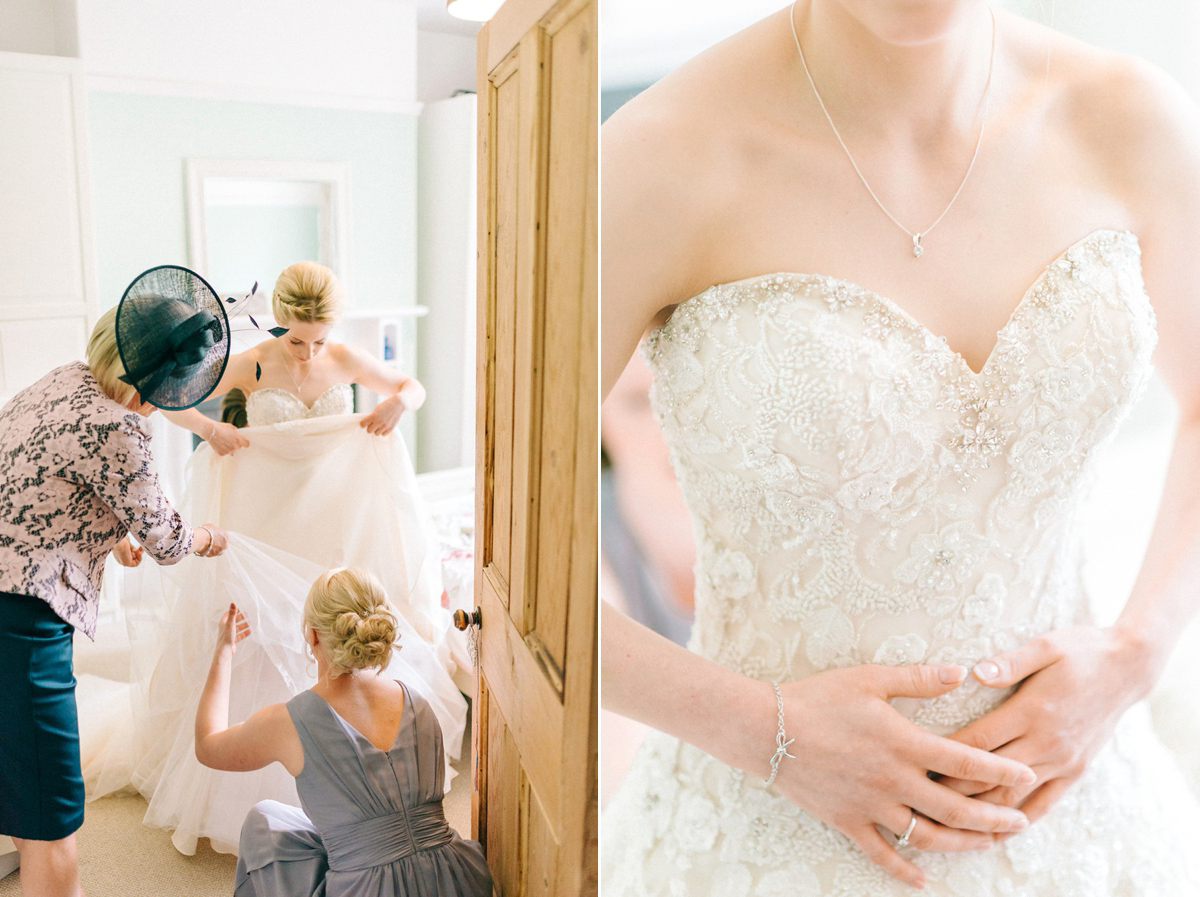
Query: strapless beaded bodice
[[860, 495], [276, 406]]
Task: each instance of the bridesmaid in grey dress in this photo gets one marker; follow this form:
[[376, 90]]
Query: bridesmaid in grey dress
[[366, 752]]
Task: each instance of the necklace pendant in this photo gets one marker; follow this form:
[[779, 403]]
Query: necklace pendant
[[918, 249]]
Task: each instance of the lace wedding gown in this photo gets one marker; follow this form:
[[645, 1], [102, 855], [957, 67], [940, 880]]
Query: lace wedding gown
[[313, 490], [860, 495]]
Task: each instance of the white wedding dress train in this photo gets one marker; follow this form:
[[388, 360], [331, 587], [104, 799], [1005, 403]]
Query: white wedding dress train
[[861, 495], [312, 491]]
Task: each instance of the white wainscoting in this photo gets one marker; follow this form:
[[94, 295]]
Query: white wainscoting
[[48, 295]]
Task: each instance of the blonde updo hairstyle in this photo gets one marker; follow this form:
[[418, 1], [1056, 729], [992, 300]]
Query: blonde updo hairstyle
[[104, 361], [350, 612], [307, 293]]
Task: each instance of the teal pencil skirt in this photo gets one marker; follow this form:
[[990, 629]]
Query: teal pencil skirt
[[41, 784]]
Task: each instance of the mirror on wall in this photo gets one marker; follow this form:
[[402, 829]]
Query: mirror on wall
[[250, 219]]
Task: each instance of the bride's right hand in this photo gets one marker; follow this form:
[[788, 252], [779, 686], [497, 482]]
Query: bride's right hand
[[860, 764]]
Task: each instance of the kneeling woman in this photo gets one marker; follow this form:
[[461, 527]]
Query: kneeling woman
[[76, 480], [367, 756]]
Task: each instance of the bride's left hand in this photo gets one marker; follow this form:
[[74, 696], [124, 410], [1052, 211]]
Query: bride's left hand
[[384, 418], [1075, 684]]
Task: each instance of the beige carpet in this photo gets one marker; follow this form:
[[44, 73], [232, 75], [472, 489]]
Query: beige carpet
[[120, 857]]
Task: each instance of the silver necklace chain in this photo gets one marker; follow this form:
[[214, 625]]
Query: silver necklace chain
[[917, 249], [299, 386]]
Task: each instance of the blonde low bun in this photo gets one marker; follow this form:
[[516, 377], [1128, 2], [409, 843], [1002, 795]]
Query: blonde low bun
[[350, 611]]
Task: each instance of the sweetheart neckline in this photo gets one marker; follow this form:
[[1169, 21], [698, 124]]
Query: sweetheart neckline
[[296, 397], [907, 316]]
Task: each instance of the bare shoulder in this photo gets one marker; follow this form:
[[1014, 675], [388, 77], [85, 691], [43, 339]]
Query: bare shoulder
[[661, 155], [277, 716], [348, 359], [279, 733], [699, 118], [1141, 130], [1133, 119], [674, 158]]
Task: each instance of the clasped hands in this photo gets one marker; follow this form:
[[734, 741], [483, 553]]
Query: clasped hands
[[861, 766]]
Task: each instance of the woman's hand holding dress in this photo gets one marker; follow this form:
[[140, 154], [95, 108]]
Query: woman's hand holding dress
[[225, 439], [268, 735], [384, 418], [218, 541], [232, 629]]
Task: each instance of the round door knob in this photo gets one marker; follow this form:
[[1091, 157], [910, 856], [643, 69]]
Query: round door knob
[[462, 619]]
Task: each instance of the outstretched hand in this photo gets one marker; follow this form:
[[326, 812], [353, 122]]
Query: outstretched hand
[[1074, 686], [860, 764], [234, 628]]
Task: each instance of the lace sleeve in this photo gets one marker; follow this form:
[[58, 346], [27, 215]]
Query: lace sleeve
[[119, 468]]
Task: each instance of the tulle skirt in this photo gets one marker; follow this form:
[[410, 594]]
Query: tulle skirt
[[303, 497]]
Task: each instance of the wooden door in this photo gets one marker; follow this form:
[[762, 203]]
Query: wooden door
[[535, 712]]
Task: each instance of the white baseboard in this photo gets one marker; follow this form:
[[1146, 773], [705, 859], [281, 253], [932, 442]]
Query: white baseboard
[[9, 858]]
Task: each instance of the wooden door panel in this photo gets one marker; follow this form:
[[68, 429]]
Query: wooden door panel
[[531, 707], [507, 151], [503, 791], [567, 39], [536, 578]]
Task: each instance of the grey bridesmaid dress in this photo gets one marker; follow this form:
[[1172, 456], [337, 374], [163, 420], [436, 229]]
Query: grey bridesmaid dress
[[372, 823]]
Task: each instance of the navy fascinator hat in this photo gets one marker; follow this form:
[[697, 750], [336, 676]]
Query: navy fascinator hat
[[173, 337]]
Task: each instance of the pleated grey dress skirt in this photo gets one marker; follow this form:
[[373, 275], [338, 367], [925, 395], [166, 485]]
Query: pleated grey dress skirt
[[372, 823]]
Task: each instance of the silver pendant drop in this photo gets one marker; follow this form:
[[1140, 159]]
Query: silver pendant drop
[[918, 249]]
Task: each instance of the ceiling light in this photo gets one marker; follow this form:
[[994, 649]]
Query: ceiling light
[[473, 10]]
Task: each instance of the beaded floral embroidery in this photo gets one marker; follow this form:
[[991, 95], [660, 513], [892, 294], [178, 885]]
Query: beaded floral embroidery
[[860, 495]]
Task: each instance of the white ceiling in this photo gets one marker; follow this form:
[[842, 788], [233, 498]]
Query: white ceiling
[[432, 16]]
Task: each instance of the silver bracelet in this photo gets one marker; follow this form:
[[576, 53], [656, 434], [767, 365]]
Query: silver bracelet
[[781, 741], [211, 539], [212, 434]]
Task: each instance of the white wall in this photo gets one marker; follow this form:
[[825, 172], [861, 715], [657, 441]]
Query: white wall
[[644, 41], [38, 26], [445, 63], [349, 53], [139, 143], [1166, 32], [47, 270], [446, 280]]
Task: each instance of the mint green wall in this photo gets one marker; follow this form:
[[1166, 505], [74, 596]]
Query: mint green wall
[[139, 144], [249, 244]]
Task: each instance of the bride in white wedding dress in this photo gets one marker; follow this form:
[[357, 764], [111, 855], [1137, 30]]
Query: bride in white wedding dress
[[885, 460], [308, 485]]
